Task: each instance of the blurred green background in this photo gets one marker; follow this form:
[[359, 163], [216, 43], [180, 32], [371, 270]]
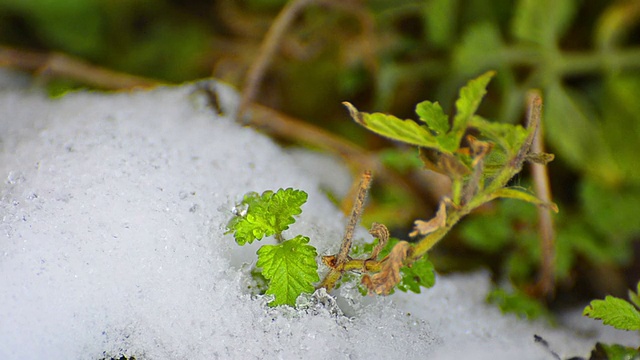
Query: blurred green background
[[388, 55]]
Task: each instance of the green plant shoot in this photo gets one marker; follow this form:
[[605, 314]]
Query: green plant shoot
[[617, 312], [290, 266], [268, 214], [479, 167]]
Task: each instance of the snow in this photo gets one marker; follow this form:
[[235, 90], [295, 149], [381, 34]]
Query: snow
[[112, 243]]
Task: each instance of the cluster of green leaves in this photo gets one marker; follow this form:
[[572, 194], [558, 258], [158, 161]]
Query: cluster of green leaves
[[290, 266], [441, 144], [587, 68], [480, 169], [617, 312]]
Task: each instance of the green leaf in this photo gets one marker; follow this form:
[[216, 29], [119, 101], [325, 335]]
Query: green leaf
[[524, 195], [518, 303], [420, 274], [507, 136], [407, 131], [470, 97], [291, 269], [542, 21], [433, 116], [614, 312], [267, 214]]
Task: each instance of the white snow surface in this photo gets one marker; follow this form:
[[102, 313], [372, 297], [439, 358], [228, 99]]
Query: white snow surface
[[112, 243]]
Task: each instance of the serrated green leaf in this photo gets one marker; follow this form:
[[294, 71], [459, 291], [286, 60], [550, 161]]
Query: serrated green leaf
[[614, 312], [267, 214], [507, 136], [389, 126], [470, 97], [432, 115], [524, 195], [291, 269]]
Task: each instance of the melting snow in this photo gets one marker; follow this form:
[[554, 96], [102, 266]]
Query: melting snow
[[112, 243]]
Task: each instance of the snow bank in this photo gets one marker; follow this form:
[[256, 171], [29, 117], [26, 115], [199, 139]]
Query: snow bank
[[112, 243]]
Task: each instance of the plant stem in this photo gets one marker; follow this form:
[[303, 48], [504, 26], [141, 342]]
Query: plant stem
[[487, 194], [342, 262], [356, 212]]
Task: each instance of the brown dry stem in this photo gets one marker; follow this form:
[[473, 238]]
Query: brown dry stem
[[545, 220], [269, 46], [68, 67]]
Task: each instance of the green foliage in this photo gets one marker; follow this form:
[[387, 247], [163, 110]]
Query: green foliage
[[267, 214], [291, 269], [616, 312], [290, 266], [436, 132], [518, 303]]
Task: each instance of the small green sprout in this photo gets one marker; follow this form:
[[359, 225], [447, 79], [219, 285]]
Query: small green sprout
[[617, 312], [290, 266], [266, 215]]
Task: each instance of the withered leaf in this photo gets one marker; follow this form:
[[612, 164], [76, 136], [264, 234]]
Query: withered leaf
[[425, 227], [389, 276], [382, 233], [540, 158], [442, 163], [479, 149]]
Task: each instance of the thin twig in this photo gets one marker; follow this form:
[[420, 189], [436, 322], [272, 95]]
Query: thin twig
[[65, 66], [356, 213], [545, 220], [269, 46]]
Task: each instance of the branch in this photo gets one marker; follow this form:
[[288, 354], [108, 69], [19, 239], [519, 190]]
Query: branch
[[65, 66]]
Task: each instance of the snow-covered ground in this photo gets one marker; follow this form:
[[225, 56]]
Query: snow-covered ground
[[112, 243]]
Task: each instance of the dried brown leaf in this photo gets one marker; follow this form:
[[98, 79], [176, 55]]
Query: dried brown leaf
[[445, 164], [425, 227], [382, 233], [389, 276]]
